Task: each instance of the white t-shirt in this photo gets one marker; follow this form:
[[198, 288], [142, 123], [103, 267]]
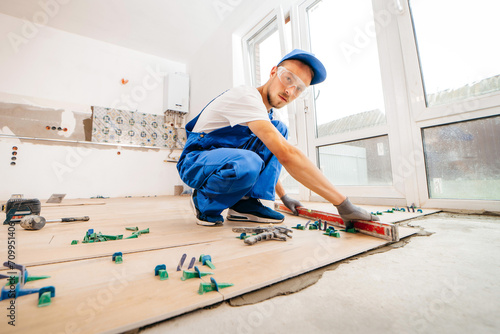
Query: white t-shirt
[[238, 105]]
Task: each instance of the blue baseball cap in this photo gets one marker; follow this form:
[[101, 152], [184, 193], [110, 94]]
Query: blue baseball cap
[[311, 60]]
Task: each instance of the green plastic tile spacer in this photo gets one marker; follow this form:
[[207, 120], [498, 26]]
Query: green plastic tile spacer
[[316, 225], [298, 227], [133, 236], [331, 232], [11, 280], [44, 299], [132, 228], [145, 231], [117, 257], [112, 237], [350, 230], [161, 270], [243, 236], [74, 242], [212, 286], [45, 296], [194, 274], [207, 260]]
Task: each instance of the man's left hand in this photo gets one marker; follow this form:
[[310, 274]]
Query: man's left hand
[[349, 212], [291, 204]]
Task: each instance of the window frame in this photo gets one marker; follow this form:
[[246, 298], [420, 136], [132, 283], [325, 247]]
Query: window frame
[[424, 116]]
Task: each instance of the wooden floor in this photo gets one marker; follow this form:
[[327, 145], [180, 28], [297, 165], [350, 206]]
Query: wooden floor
[[94, 295]]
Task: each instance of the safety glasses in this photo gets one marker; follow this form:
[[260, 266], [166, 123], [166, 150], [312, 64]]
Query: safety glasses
[[289, 80]]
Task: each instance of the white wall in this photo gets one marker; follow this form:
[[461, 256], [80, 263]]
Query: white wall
[[210, 71], [61, 66], [83, 170], [41, 63]]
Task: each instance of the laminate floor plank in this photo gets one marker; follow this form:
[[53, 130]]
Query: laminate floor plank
[[95, 295]]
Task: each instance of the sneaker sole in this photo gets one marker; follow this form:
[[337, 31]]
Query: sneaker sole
[[236, 216], [199, 221]]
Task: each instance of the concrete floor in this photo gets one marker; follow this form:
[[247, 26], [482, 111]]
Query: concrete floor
[[445, 282]]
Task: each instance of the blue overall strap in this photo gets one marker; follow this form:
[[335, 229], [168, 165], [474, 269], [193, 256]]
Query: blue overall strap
[[271, 114], [192, 123]]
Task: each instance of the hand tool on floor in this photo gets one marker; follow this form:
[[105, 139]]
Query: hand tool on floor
[[35, 222], [17, 208], [264, 233], [387, 231]]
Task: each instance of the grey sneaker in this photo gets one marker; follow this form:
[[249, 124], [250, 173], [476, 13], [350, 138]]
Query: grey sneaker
[[202, 219]]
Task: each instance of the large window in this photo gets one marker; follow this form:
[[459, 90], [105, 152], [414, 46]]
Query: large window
[[458, 46], [462, 159], [410, 109], [342, 35], [357, 163]]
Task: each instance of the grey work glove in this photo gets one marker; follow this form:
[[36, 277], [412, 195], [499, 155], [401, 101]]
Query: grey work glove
[[349, 212], [291, 203]]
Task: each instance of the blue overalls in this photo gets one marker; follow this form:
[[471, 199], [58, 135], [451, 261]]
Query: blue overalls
[[227, 164]]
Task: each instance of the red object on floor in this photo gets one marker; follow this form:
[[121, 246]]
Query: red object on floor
[[381, 230]]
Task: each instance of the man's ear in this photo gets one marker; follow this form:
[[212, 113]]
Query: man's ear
[[274, 70]]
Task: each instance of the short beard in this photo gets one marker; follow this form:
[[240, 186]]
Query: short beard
[[270, 101]]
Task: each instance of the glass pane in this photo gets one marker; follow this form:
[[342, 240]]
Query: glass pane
[[458, 48], [364, 162], [342, 36], [291, 185], [462, 159], [264, 49]]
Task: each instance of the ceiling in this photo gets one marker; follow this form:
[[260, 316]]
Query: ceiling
[[172, 29]]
